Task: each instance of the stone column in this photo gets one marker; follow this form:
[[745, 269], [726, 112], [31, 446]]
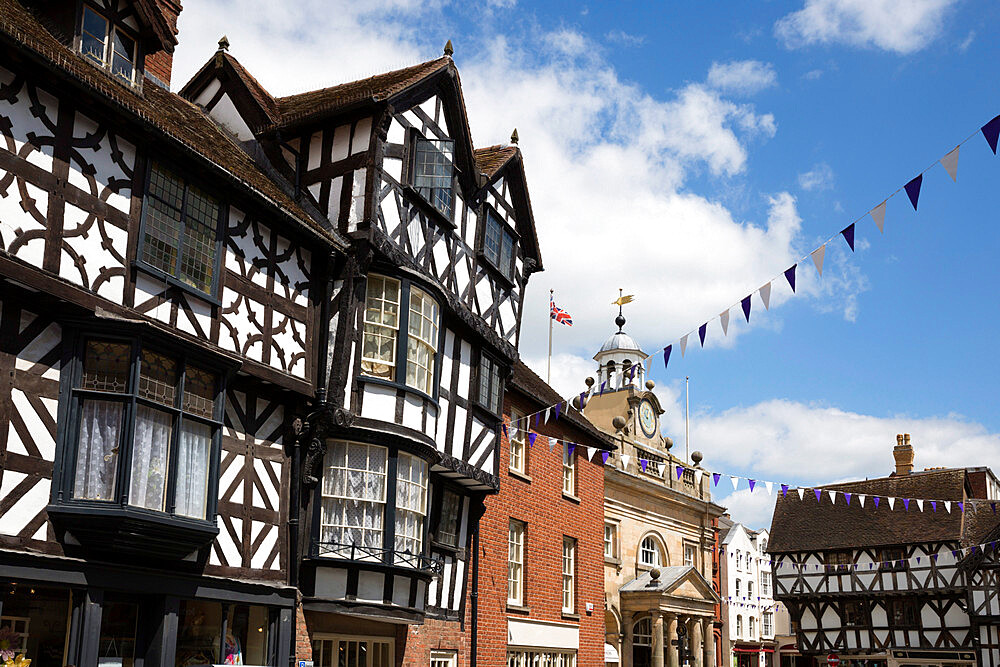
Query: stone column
[[669, 649], [696, 643], [708, 641], [657, 639], [625, 657]]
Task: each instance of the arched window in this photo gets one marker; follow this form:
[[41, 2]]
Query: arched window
[[739, 626], [649, 552], [642, 633]]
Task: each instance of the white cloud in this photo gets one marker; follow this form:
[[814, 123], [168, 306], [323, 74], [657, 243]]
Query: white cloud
[[820, 177], [743, 77], [901, 26], [964, 45], [625, 39]]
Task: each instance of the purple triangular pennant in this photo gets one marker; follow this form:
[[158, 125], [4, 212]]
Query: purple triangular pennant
[[746, 308], [992, 131], [631, 373], [961, 506], [918, 560], [643, 463], [531, 439], [538, 418], [752, 482], [784, 490], [818, 493], [680, 471], [847, 497], [906, 504], [790, 276], [934, 505], [666, 356], [602, 387], [505, 434], [605, 456], [715, 478], [876, 502], [557, 408], [848, 234], [994, 506], [572, 446], [934, 557], [954, 554], [701, 333], [913, 190]]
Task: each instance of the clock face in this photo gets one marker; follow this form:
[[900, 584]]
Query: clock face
[[647, 418]]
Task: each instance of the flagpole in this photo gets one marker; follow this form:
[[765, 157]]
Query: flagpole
[[687, 418], [548, 373]]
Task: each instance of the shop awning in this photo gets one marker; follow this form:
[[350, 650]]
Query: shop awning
[[610, 654]]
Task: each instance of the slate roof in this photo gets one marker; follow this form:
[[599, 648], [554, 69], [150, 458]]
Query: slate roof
[[808, 525], [303, 107], [177, 119], [527, 383], [668, 577]]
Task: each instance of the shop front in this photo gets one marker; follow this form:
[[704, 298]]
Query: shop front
[[106, 616]]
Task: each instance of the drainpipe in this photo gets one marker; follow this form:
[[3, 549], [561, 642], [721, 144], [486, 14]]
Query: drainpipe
[[474, 635]]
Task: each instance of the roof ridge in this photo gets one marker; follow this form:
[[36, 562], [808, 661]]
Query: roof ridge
[[441, 60]]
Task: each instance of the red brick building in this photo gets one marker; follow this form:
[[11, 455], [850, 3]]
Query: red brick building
[[541, 583]]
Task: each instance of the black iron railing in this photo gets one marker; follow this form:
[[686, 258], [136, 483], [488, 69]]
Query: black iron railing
[[382, 555]]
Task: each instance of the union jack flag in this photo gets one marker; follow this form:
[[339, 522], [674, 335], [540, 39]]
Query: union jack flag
[[559, 315]]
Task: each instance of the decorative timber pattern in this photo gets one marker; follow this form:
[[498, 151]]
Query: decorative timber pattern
[[30, 351], [253, 479]]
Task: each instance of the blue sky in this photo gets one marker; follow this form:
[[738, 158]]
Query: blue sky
[[688, 152]]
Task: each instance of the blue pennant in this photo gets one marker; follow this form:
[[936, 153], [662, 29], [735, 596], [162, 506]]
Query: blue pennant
[[666, 357], [992, 131], [746, 308], [701, 333], [848, 233], [784, 490], [790, 276], [715, 478], [913, 190], [531, 439]]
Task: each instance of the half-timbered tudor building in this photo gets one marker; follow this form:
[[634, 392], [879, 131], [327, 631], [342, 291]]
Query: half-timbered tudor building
[[882, 583], [252, 349]]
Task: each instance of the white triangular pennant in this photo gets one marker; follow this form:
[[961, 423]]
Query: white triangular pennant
[[817, 257], [920, 504], [765, 295], [892, 502], [684, 344], [801, 492], [878, 215], [545, 418], [735, 481], [833, 497], [697, 477], [947, 506], [950, 163], [861, 499], [552, 443], [768, 486], [590, 453], [625, 459], [724, 319]]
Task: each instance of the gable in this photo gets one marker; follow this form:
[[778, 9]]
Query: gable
[[692, 585]]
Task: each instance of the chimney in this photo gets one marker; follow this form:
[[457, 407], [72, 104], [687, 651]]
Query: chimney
[[903, 453], [159, 63]]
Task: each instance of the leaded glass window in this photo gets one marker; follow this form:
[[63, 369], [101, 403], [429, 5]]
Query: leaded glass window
[[451, 507], [378, 348], [490, 385], [433, 171], [411, 503], [422, 341], [180, 230], [353, 498], [499, 244]]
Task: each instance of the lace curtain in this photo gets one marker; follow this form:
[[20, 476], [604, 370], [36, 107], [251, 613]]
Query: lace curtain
[[150, 452], [192, 469], [97, 457]]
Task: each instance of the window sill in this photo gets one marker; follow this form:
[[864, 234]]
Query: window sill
[[570, 616], [608, 560], [518, 609], [572, 498], [428, 208], [524, 477], [174, 282]]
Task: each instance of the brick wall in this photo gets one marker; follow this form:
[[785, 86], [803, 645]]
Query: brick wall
[[160, 63], [549, 516], [435, 634]]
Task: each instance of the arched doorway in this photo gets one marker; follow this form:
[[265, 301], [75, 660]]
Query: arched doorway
[[642, 643]]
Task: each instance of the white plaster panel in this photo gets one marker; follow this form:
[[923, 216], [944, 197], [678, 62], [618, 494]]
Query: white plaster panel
[[39, 433], [401, 591], [15, 220], [456, 595], [288, 352], [109, 160], [415, 232], [146, 288], [228, 476], [333, 206], [38, 347], [379, 403], [331, 583], [230, 550], [98, 246], [229, 117], [523, 632], [362, 136], [393, 167], [24, 122], [390, 213], [458, 437], [397, 133], [370, 586], [413, 410], [26, 507], [446, 582], [208, 93], [421, 594], [357, 212], [259, 557], [315, 150], [292, 278]]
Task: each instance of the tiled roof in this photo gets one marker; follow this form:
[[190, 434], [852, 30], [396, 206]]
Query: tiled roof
[[181, 121], [807, 525], [491, 159], [260, 95], [303, 107], [527, 382]]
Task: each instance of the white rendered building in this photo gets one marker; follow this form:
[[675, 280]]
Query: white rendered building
[[747, 602]]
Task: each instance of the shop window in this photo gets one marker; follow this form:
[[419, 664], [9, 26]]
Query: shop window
[[34, 621], [904, 614], [214, 633], [352, 651], [116, 644], [853, 613], [546, 657], [147, 429]]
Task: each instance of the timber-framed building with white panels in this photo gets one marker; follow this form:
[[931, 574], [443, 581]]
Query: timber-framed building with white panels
[[883, 584], [252, 349]]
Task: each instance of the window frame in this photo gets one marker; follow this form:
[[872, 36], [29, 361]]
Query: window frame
[[73, 396], [403, 326], [569, 471], [522, 531], [494, 375], [440, 488], [569, 578], [506, 231], [518, 417], [854, 614], [694, 554], [112, 25], [767, 624], [212, 296], [414, 136], [613, 525], [657, 549]]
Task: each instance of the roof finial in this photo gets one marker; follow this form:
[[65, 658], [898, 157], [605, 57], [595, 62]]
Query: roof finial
[[224, 43], [449, 49], [620, 320], [513, 136]]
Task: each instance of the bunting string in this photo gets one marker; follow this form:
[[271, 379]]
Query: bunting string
[[944, 556]]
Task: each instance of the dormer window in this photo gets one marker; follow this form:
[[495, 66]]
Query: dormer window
[[434, 171], [499, 244], [107, 45]]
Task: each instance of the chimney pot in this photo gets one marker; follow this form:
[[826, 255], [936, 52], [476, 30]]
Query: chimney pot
[[903, 454]]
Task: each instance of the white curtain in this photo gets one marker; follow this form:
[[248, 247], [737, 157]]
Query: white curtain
[[354, 495], [192, 469], [150, 453], [97, 456]]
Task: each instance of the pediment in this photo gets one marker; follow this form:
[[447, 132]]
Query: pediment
[[680, 582]]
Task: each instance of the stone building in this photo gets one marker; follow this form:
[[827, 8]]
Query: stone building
[[660, 526]]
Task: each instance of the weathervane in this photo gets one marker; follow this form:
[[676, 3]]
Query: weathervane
[[621, 301]]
